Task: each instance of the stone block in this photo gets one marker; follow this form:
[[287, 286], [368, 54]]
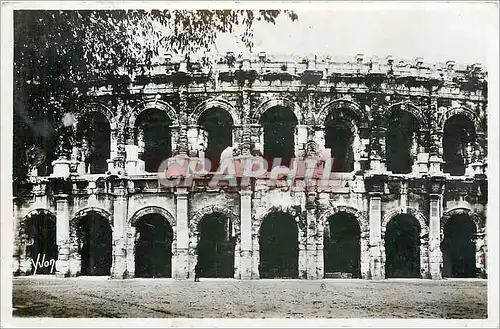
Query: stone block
[[61, 168], [132, 152]]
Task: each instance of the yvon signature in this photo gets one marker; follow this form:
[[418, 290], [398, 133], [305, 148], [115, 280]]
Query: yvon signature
[[43, 263]]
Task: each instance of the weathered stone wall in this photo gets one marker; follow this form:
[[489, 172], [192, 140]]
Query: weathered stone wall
[[362, 93]]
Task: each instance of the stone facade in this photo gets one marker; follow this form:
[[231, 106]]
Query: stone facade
[[362, 92]]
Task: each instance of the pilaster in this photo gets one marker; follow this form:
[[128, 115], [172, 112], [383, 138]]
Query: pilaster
[[375, 187], [119, 266], [435, 214], [375, 218], [181, 260], [62, 236], [435, 255], [246, 234]]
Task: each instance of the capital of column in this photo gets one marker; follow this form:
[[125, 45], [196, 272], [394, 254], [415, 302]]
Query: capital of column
[[375, 195], [246, 193], [61, 197], [435, 196], [182, 192], [315, 126], [379, 129]]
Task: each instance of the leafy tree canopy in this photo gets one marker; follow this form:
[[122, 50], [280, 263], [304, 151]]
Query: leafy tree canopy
[[59, 55]]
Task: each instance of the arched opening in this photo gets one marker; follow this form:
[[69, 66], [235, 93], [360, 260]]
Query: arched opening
[[216, 246], [154, 138], [339, 138], [401, 142], [153, 247], [217, 129], [402, 247], [458, 136], [279, 135], [95, 244], [42, 246], [94, 133], [342, 250], [459, 247], [279, 248]]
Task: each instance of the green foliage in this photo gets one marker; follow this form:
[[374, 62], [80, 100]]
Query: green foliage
[[59, 56]]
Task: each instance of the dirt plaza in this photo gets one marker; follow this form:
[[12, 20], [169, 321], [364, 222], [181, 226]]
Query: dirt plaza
[[44, 296]]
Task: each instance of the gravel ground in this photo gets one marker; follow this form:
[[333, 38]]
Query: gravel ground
[[100, 297]]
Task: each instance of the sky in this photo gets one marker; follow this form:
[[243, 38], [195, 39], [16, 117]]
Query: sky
[[462, 32]]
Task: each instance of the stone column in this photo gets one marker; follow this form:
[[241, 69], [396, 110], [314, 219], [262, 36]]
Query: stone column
[[246, 234], [62, 235], [62, 165], [364, 147], [357, 148], [75, 258], [422, 158], [193, 136], [174, 131], [183, 141], [140, 140], [365, 261], [436, 151], [302, 264], [481, 254], [479, 154], [246, 141], [300, 138], [413, 151], [257, 137], [319, 135], [403, 196], [424, 257], [320, 251], [118, 269], [236, 136], [312, 235], [130, 253], [181, 262], [131, 152], [302, 237], [245, 134], [482, 142], [435, 255], [375, 218], [377, 155], [116, 163], [113, 149]]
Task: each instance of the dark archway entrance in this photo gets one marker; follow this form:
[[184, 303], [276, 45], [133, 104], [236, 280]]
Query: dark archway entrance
[[402, 247], [154, 138], [217, 124], [401, 132], [95, 133], [279, 248], [43, 248], [279, 135], [458, 135], [153, 247], [339, 138], [95, 244], [459, 247], [216, 246], [342, 250]]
